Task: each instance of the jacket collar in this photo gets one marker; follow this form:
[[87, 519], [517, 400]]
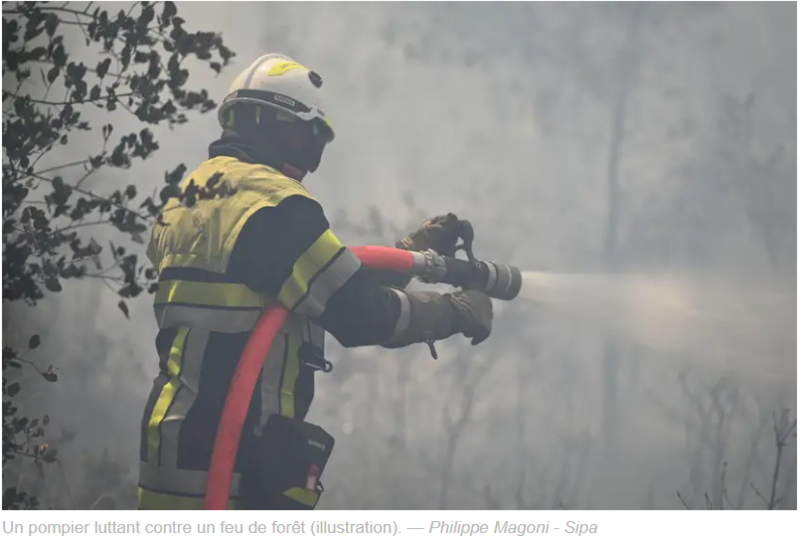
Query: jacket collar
[[234, 146]]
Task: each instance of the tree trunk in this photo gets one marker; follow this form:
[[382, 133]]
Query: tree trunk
[[611, 355]]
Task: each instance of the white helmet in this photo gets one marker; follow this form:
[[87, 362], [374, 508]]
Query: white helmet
[[278, 82]]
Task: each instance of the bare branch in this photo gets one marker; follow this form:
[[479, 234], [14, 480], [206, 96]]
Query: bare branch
[[100, 198], [61, 167], [67, 102], [724, 489], [66, 483], [491, 501], [759, 494], [783, 430]]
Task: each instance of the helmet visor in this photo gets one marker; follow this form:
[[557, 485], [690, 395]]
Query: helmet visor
[[285, 103]]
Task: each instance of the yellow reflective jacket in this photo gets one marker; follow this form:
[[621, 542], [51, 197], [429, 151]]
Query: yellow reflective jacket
[[200, 311]]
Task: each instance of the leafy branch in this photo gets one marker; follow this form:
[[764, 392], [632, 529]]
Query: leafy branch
[[136, 62]]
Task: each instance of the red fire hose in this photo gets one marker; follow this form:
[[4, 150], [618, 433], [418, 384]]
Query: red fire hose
[[244, 380]]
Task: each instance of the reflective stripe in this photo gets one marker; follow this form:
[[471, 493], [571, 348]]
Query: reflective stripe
[[291, 370], [191, 364], [282, 367], [201, 262], [327, 282], [166, 397], [304, 496], [221, 307], [229, 321], [271, 378], [196, 293], [149, 499], [404, 319], [307, 267], [316, 335], [182, 482]]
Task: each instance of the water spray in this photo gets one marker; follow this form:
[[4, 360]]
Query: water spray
[[693, 318]]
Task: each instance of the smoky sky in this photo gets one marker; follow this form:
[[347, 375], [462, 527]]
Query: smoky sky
[[505, 114]]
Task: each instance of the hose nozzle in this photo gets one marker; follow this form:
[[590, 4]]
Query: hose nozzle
[[498, 281], [502, 281]]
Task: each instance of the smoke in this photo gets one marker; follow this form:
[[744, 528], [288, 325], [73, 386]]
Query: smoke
[[504, 114]]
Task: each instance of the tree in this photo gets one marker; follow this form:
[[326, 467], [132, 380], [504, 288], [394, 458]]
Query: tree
[[141, 69]]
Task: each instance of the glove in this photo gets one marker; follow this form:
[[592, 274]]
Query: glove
[[429, 316], [439, 233], [474, 314]]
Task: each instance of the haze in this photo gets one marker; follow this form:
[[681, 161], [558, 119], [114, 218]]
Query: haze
[[578, 138]]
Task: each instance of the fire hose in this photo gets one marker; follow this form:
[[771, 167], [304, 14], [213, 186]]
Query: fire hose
[[498, 281]]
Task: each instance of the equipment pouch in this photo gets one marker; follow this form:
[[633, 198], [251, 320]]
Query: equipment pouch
[[284, 470]]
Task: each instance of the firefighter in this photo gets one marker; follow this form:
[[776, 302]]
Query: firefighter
[[259, 236]]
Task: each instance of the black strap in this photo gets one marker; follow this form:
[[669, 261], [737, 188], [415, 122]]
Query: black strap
[[312, 356]]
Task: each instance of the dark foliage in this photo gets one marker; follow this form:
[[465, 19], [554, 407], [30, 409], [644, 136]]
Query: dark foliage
[[136, 62]]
